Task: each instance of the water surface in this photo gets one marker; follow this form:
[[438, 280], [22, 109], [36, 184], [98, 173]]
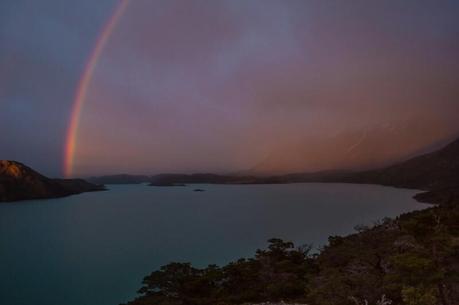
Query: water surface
[[95, 248]]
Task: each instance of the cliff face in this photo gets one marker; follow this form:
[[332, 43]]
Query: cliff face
[[19, 182]]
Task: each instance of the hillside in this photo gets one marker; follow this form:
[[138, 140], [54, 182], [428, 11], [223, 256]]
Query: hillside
[[19, 182], [439, 169], [410, 260], [436, 172]]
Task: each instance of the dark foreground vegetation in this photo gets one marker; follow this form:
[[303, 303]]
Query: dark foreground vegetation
[[411, 260]]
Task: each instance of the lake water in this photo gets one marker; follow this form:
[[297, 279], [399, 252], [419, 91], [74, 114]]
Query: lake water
[[95, 248]]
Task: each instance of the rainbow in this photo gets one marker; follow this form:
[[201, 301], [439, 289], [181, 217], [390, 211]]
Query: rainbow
[[83, 85]]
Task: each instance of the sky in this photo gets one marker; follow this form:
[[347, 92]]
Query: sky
[[227, 86]]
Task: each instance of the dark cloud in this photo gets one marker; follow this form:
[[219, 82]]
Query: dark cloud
[[272, 86]]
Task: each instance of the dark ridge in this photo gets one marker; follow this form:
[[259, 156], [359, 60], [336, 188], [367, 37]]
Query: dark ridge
[[120, 179], [180, 179], [436, 172], [19, 182]]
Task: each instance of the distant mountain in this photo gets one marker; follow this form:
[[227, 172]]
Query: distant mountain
[[365, 148], [19, 182], [180, 179], [120, 179], [436, 172], [439, 169], [177, 179]]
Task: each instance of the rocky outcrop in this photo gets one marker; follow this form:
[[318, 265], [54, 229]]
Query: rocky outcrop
[[19, 182]]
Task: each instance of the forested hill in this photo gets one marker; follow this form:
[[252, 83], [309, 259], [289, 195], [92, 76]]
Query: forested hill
[[410, 260]]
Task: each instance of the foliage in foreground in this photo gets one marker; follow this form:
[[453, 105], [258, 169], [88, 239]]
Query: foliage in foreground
[[413, 260]]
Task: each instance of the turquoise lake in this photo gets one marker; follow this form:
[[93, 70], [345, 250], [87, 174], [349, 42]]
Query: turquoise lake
[[95, 248]]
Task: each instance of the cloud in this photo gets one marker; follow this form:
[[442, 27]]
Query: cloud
[[267, 85]]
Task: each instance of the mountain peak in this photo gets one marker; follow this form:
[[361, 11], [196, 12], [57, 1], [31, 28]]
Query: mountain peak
[[16, 170]]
